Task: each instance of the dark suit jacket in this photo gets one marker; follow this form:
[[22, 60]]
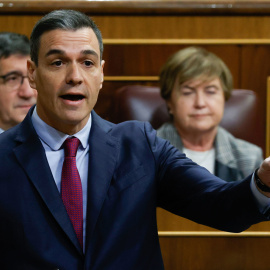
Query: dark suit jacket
[[131, 172]]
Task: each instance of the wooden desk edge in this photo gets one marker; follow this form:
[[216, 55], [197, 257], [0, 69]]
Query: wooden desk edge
[[191, 234]]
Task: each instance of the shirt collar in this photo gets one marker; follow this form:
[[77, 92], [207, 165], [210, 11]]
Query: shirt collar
[[54, 138]]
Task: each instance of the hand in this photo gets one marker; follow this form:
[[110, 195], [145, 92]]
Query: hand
[[264, 175]]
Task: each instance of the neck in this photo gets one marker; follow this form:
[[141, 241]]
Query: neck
[[198, 141]]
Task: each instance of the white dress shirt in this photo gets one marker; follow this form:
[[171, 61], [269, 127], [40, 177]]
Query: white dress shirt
[[205, 159]]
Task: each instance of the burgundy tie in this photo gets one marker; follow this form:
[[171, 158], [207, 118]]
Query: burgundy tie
[[71, 187]]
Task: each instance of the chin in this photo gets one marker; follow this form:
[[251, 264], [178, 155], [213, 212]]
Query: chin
[[203, 128], [75, 121], [20, 119]]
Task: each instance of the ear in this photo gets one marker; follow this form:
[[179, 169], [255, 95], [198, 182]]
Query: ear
[[31, 73], [102, 73]]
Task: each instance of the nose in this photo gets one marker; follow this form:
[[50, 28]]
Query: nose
[[25, 91], [73, 75], [200, 101]]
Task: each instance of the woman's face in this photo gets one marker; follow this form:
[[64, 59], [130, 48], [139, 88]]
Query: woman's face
[[197, 106]]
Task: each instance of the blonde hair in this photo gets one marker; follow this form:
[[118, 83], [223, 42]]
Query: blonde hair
[[194, 63]]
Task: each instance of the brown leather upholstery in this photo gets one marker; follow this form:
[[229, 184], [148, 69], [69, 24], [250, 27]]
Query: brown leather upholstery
[[137, 102]]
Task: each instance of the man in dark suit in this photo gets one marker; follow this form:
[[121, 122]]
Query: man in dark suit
[[16, 95], [125, 171]]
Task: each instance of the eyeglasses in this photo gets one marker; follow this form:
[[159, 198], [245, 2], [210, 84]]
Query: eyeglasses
[[13, 80]]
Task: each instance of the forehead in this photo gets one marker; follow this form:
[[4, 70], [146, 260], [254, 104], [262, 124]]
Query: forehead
[[203, 82], [69, 41], [15, 62]]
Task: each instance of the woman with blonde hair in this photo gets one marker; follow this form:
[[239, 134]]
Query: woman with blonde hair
[[195, 84]]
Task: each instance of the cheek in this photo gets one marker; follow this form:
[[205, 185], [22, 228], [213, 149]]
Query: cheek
[[45, 86], [181, 114], [47, 79], [217, 108], [93, 86], [35, 93], [6, 100], [183, 107], [98, 79]]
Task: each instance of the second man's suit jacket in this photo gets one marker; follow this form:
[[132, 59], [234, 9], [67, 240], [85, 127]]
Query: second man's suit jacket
[[131, 172]]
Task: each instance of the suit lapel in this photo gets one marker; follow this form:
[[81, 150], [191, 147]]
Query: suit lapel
[[31, 156], [225, 165], [103, 152]]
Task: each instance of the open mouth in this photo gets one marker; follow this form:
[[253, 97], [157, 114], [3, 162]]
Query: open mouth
[[72, 97]]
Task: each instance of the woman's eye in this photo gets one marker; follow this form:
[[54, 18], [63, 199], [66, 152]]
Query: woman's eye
[[211, 91], [187, 93]]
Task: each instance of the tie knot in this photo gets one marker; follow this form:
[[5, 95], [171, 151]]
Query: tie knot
[[71, 146]]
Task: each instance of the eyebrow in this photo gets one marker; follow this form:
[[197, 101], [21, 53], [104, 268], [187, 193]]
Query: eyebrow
[[61, 52], [91, 52], [212, 85], [14, 72], [193, 88], [187, 86]]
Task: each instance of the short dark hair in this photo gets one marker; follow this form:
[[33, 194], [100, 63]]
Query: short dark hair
[[61, 19], [13, 43]]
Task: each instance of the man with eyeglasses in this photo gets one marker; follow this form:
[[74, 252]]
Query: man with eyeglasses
[[16, 95]]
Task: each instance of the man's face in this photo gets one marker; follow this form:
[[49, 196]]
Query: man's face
[[197, 106], [15, 99], [68, 78]]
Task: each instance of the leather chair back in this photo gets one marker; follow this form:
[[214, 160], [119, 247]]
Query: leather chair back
[[144, 103]]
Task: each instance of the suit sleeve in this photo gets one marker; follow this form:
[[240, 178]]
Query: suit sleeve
[[189, 190]]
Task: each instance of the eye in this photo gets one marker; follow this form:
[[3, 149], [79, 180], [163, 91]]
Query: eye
[[88, 63], [187, 92], [211, 91], [57, 63], [12, 79]]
